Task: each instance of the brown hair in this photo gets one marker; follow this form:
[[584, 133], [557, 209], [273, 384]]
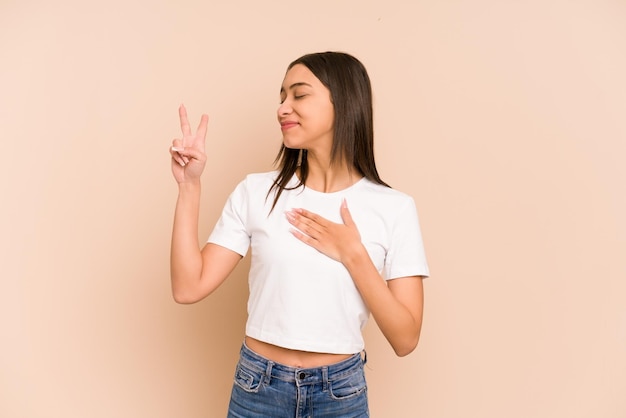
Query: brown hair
[[353, 137]]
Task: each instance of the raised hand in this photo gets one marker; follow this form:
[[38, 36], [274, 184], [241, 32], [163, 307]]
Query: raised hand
[[188, 156]]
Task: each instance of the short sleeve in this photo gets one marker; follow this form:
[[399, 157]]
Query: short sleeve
[[231, 230], [406, 255]]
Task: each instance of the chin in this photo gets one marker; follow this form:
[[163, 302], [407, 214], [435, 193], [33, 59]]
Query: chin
[[291, 145]]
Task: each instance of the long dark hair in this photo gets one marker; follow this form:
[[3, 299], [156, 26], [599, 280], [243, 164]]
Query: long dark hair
[[353, 137]]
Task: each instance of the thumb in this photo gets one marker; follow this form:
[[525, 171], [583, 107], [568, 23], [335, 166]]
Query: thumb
[[190, 152], [345, 213]]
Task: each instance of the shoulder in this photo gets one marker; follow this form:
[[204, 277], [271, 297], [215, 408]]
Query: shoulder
[[258, 181], [264, 177], [385, 195]]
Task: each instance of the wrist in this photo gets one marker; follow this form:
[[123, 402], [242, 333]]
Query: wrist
[[189, 186], [356, 256]]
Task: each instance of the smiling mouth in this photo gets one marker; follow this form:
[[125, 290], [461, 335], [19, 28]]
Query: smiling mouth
[[287, 125]]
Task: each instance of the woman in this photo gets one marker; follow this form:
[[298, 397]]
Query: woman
[[331, 243]]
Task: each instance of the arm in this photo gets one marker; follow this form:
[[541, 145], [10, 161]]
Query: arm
[[396, 305], [194, 273]]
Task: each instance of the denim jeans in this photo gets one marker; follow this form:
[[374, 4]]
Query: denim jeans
[[264, 389]]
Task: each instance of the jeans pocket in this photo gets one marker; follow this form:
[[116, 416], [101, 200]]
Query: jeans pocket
[[348, 386], [247, 379]]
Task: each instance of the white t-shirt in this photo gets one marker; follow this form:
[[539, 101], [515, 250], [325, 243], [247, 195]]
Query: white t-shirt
[[300, 298]]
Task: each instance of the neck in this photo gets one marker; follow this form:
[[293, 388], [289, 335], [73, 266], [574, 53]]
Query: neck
[[326, 177]]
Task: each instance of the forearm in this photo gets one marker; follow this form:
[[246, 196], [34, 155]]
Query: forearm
[[400, 325], [185, 256], [396, 307]]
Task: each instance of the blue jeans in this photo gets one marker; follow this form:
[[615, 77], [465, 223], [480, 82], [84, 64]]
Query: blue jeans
[[264, 389]]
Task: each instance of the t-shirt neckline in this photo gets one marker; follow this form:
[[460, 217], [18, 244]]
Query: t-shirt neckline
[[295, 180]]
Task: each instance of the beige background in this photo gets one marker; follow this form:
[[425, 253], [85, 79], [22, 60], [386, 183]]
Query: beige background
[[504, 119]]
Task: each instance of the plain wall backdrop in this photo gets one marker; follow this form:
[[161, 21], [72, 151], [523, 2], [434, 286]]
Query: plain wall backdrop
[[505, 120]]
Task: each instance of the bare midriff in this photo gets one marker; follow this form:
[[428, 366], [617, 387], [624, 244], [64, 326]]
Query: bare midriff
[[293, 358]]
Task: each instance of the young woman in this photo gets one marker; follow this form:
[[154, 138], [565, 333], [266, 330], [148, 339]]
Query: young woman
[[331, 243]]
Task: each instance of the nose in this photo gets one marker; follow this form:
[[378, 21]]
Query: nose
[[284, 108]]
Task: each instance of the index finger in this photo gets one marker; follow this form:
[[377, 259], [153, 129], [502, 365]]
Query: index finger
[[201, 131], [310, 215], [184, 122]]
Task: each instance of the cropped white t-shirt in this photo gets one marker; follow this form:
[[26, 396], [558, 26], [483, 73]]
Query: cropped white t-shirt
[[300, 298]]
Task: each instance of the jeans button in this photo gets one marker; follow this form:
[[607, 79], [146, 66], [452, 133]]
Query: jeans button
[[301, 375]]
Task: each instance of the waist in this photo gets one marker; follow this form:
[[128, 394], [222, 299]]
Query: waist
[[304, 375], [293, 358]]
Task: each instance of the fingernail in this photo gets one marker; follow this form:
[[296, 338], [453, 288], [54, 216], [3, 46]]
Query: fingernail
[[177, 149]]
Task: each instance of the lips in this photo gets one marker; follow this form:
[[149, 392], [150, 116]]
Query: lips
[[287, 125]]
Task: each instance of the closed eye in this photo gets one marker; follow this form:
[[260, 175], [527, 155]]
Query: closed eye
[[296, 97]]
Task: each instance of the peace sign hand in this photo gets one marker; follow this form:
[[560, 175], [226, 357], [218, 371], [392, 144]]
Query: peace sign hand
[[188, 156]]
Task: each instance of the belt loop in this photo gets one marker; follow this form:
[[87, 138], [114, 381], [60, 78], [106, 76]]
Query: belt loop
[[364, 357], [324, 378], [268, 372]]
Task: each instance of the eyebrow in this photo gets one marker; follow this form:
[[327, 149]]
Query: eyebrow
[[294, 85]]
